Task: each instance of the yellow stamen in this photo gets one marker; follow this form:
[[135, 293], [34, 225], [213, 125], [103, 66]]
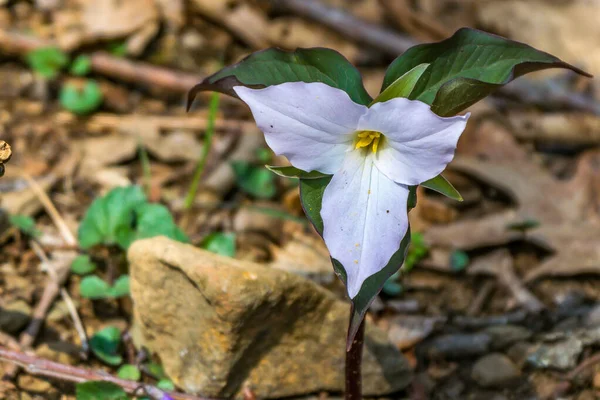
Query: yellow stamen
[[368, 138]]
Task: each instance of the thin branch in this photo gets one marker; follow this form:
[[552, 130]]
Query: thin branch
[[39, 366], [363, 32], [64, 294], [108, 65]]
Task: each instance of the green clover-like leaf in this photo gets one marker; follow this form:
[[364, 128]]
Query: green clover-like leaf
[[47, 61], [99, 390], [220, 243], [105, 345], [83, 100]]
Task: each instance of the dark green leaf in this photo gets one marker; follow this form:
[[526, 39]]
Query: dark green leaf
[[93, 287], [459, 260], [25, 224], [403, 86], [47, 61], [254, 180], [293, 172], [83, 265], [109, 219], [105, 345], [81, 66], [120, 288], [441, 185], [311, 197], [372, 286], [99, 390], [129, 372], [392, 287], [220, 243], [274, 66], [81, 101], [467, 67]]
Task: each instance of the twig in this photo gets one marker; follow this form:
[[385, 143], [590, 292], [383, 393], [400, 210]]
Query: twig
[[57, 219], [187, 122], [27, 338], [544, 94], [108, 65], [348, 25], [65, 296], [39, 366], [353, 365]]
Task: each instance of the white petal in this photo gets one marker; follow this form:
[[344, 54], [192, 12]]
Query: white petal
[[418, 143], [364, 217], [309, 123]]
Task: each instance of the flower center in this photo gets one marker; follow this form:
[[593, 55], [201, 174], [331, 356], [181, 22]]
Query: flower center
[[368, 138]]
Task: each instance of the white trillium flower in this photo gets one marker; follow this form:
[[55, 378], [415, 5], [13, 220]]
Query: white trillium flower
[[374, 154]]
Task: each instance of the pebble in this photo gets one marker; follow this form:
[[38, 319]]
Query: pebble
[[504, 336], [14, 316], [494, 370], [458, 345]]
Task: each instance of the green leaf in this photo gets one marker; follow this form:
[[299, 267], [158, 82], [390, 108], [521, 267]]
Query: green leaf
[[120, 287], [264, 155], [441, 185], [403, 86], [166, 385], [275, 66], [93, 287], [392, 287], [254, 180], [129, 372], [81, 101], [154, 220], [25, 224], [293, 172], [220, 243], [105, 345], [467, 67], [99, 390], [47, 61], [109, 219], [372, 286], [311, 197], [83, 265], [81, 66], [417, 250], [459, 260]]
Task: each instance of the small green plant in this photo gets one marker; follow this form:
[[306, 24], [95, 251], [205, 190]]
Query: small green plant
[[106, 344], [124, 215], [95, 288], [25, 224], [254, 179], [129, 372], [48, 62], [99, 390], [81, 100], [220, 243], [83, 265]]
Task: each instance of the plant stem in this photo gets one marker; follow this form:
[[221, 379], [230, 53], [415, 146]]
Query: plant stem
[[353, 364], [210, 128], [146, 169]]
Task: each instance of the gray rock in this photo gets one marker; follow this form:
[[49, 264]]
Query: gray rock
[[458, 345], [14, 316], [218, 324], [494, 370], [505, 335], [562, 355]]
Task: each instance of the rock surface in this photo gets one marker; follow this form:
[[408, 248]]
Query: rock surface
[[218, 324], [494, 370]]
